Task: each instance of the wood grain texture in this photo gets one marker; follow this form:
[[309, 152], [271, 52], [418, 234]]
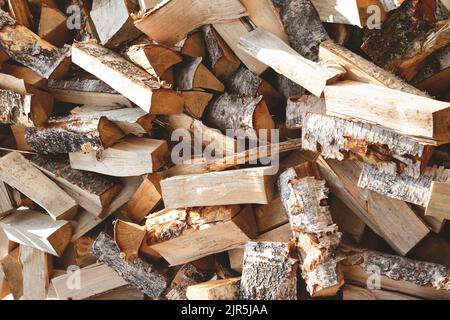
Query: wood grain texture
[[36, 272]]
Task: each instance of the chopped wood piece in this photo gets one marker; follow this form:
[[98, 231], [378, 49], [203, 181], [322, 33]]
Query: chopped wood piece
[[303, 194], [86, 92], [270, 216], [196, 101], [245, 115], [113, 32], [22, 45], [20, 174], [91, 191], [403, 187], [251, 185], [402, 112], [12, 270], [433, 79], [351, 292], [416, 278], [231, 32], [93, 280], [225, 289], [298, 107], [341, 139], [126, 78], [5, 204], [158, 24], [19, 10], [148, 4], [352, 12], [268, 272], [192, 74], [53, 26], [29, 76], [362, 70], [182, 236], [439, 203], [193, 45], [128, 237], [146, 198], [15, 108], [347, 221], [153, 58], [223, 61], [78, 253], [129, 157], [36, 273], [246, 83], [270, 50], [37, 230], [140, 274]]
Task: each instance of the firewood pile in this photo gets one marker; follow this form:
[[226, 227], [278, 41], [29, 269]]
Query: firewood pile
[[225, 149]]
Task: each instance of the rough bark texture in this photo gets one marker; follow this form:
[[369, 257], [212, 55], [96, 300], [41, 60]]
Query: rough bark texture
[[234, 112], [268, 272], [140, 274], [403, 187], [339, 139], [14, 107], [303, 26], [243, 82], [316, 235], [85, 85], [297, 108], [32, 55]]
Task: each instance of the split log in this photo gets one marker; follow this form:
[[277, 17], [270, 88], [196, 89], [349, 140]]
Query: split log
[[5, 205], [158, 24], [391, 219], [196, 102], [438, 205], [272, 51], [270, 216], [12, 270], [113, 32], [433, 79], [85, 221], [78, 253], [192, 75], [153, 58], [15, 108], [53, 26], [26, 74], [22, 45], [241, 186], [341, 139], [37, 267], [193, 45], [303, 194], [92, 191], [223, 61], [94, 280], [37, 230], [245, 115], [403, 187], [182, 236], [19, 10], [90, 92], [20, 174], [268, 272], [140, 274], [122, 293], [246, 83], [129, 157], [425, 118], [128, 237], [351, 292], [225, 289], [231, 32], [298, 107], [362, 70], [146, 198], [416, 278], [347, 221], [127, 78], [35, 104], [355, 13]]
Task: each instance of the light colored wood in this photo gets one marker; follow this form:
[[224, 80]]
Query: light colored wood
[[12, 270], [298, 107], [270, 216], [5, 202], [53, 26], [158, 24], [129, 157], [19, 173], [210, 234], [225, 289], [37, 230], [29, 76], [196, 102], [351, 292], [252, 185], [128, 237], [136, 84], [47, 60], [231, 32], [403, 112], [122, 293], [148, 4], [86, 221], [272, 51], [37, 267], [439, 202], [354, 12], [93, 280]]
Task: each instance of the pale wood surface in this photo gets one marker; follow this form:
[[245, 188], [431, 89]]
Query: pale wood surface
[[36, 271], [225, 289]]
